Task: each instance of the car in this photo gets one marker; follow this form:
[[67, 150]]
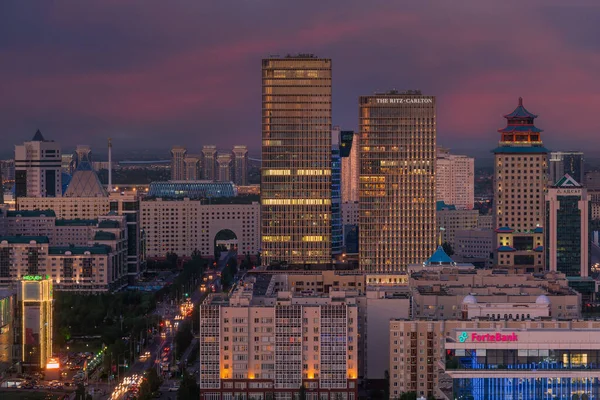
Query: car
[[174, 388]]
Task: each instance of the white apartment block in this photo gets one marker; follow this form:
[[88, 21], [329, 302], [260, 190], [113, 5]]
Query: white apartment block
[[182, 226], [261, 344], [350, 213], [455, 179]]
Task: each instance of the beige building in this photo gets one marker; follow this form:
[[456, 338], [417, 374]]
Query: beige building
[[296, 160], [455, 179], [397, 180], [350, 213], [182, 226], [520, 181], [475, 246], [224, 170], [192, 167], [209, 163], [240, 165], [350, 168], [178, 168], [450, 221], [485, 222], [260, 343]]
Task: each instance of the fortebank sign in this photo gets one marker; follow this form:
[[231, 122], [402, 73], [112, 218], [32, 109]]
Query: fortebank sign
[[409, 100]]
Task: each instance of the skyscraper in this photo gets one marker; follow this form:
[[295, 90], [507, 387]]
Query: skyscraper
[[397, 153], [337, 238], [192, 167], [240, 165], [296, 159], [566, 162], [38, 168], [178, 163], [209, 163], [455, 179], [520, 181], [567, 233], [349, 144], [224, 165]]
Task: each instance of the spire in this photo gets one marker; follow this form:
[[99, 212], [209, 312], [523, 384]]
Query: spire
[[520, 102], [38, 137]]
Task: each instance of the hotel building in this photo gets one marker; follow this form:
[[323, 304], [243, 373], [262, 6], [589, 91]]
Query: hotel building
[[397, 180], [520, 182], [455, 179], [265, 344], [178, 163], [38, 166], [296, 160]]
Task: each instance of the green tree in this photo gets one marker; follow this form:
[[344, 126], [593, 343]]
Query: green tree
[[408, 396], [183, 337], [448, 248], [189, 389], [172, 259], [387, 384], [258, 259], [302, 393], [153, 379]]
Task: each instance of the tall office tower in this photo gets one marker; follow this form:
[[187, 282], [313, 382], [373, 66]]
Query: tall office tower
[[397, 207], [567, 228], [520, 181], [178, 163], [34, 309], [209, 163], [296, 159], [566, 162], [455, 179], [349, 144], [240, 167], [192, 167], [224, 167], [337, 232], [38, 168], [8, 169], [82, 152]]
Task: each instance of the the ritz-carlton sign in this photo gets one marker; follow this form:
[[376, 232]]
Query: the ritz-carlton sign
[[409, 100], [487, 337]]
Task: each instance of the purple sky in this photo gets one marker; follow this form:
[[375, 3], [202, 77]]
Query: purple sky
[[153, 74]]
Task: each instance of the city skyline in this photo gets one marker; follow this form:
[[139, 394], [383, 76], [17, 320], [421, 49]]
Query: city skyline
[[168, 91]]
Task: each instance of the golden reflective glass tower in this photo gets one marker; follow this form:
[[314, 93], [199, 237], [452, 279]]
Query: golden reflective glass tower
[[397, 155], [296, 159]]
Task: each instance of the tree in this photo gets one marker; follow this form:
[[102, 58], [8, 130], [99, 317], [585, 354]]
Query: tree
[[189, 389], [258, 260], [302, 393], [408, 396], [448, 248], [387, 384], [172, 259], [153, 379], [430, 397]]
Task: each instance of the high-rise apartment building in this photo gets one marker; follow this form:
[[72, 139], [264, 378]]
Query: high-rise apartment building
[[209, 163], [455, 179], [567, 228], [566, 162], [240, 165], [520, 181], [178, 163], [224, 172], [349, 144], [296, 159], [192, 167], [397, 180], [38, 168]]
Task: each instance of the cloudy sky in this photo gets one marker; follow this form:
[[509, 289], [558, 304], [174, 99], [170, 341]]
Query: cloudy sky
[[157, 73]]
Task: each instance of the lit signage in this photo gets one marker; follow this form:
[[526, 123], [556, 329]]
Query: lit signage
[[33, 278], [487, 337], [568, 191], [409, 100]]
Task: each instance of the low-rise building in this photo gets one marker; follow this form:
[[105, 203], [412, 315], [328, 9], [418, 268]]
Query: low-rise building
[[475, 246], [451, 220]]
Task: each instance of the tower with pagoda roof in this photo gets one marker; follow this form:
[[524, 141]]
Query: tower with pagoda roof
[[520, 182]]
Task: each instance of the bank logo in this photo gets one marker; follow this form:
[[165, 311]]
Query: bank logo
[[463, 337]]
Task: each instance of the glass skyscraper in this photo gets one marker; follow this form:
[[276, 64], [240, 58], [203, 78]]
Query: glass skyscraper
[[296, 160], [337, 240], [397, 180]]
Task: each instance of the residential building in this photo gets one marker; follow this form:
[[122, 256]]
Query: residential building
[[397, 180], [33, 335], [209, 163], [192, 167], [561, 163], [349, 146], [224, 168], [485, 221], [451, 220], [520, 182], [260, 343], [475, 246], [38, 168], [455, 179], [182, 226], [296, 160], [178, 154], [240, 165]]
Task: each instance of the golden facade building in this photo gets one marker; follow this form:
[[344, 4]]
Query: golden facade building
[[296, 160], [397, 180]]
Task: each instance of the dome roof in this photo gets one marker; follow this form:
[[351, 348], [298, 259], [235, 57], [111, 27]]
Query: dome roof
[[542, 299], [470, 299]]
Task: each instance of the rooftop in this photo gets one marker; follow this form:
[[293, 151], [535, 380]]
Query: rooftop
[[31, 213], [76, 222], [102, 235], [108, 224], [79, 250], [520, 112], [24, 239]]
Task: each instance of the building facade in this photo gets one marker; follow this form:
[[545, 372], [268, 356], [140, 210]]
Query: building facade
[[224, 168], [449, 221], [349, 146], [38, 165], [182, 226], [296, 160], [455, 179], [337, 232], [240, 165], [397, 180], [209, 163], [192, 167], [566, 162], [178, 163], [475, 246], [520, 182]]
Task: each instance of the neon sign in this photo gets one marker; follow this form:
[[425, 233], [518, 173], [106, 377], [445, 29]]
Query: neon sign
[[488, 337], [33, 278]]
